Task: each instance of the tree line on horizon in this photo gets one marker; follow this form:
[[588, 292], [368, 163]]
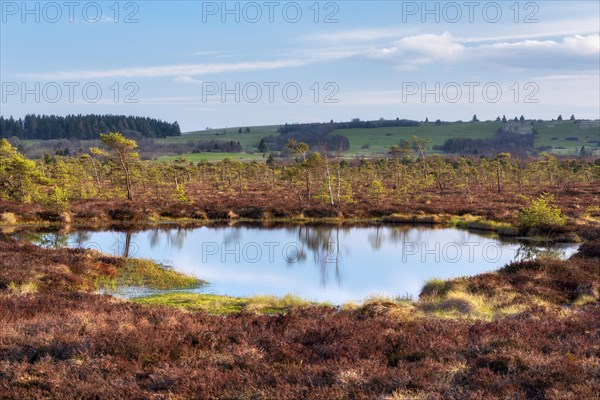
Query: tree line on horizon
[[83, 127]]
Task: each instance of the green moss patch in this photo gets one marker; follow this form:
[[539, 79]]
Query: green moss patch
[[223, 305]]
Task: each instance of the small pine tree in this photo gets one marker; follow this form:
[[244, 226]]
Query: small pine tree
[[542, 212], [504, 119], [180, 196], [376, 190], [57, 200]]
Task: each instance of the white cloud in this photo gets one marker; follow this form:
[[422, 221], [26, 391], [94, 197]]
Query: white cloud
[[583, 44], [356, 35], [586, 45], [418, 50], [167, 71], [582, 76], [573, 52], [187, 79], [422, 49]]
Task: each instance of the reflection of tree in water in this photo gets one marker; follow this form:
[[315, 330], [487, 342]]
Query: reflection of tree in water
[[526, 252], [174, 237], [49, 240], [127, 247], [324, 242], [400, 234], [81, 238], [232, 235], [376, 238]]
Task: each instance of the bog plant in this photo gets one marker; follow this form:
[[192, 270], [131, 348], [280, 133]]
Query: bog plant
[[542, 212], [57, 200], [377, 190], [180, 196]]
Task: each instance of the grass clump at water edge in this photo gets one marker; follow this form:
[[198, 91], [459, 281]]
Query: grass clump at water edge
[[147, 274], [223, 305]]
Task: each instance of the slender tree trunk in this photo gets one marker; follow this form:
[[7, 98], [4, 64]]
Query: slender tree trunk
[[307, 183], [96, 175], [339, 185], [127, 179], [498, 177], [329, 182]]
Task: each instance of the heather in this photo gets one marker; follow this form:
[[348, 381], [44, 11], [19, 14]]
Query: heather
[[63, 341]]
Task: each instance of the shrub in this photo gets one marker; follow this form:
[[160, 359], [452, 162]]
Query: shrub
[[180, 196], [377, 190], [57, 200], [541, 213]]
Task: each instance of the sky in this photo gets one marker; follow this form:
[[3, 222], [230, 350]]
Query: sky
[[228, 64]]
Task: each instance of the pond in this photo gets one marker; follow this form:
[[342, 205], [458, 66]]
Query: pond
[[336, 264]]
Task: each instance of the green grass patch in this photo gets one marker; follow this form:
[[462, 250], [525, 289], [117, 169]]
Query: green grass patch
[[148, 274], [455, 304], [196, 157], [224, 305], [473, 222], [455, 298], [28, 287], [376, 142], [249, 140], [412, 219], [436, 287], [555, 134], [379, 140], [585, 300]]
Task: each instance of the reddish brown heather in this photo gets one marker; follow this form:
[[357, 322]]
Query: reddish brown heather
[[65, 343], [281, 201]]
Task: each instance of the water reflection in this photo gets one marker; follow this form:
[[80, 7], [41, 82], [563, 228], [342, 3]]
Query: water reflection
[[328, 263]]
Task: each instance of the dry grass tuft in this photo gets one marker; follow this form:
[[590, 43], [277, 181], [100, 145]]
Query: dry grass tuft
[[7, 218]]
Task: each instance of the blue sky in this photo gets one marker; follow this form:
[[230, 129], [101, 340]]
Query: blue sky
[[353, 59]]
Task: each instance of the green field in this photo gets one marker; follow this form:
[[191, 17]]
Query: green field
[[379, 140], [373, 142], [584, 131], [196, 157], [247, 140]]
